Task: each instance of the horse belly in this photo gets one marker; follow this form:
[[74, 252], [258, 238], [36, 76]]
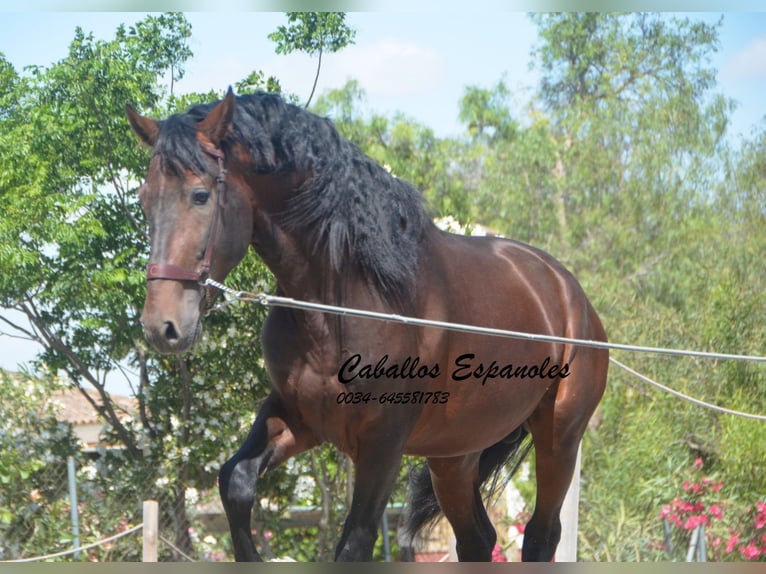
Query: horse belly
[[488, 397]]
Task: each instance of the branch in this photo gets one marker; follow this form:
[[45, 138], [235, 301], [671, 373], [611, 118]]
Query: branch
[[186, 388], [319, 468], [27, 335], [316, 80], [77, 367], [143, 382]]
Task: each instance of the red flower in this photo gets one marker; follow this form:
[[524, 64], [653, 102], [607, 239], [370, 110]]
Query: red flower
[[715, 510], [698, 463], [750, 552], [497, 554], [692, 522], [760, 518], [732, 543]]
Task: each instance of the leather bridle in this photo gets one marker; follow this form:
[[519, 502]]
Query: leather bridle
[[169, 271]]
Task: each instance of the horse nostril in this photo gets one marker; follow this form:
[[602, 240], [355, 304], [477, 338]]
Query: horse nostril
[[170, 331]]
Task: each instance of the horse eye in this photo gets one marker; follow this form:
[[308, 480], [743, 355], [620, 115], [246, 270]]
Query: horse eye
[[200, 196]]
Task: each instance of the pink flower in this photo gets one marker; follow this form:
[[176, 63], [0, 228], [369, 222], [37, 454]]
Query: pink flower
[[497, 554], [732, 543], [698, 463], [718, 486], [715, 510], [760, 518], [715, 542], [687, 485], [692, 522], [750, 552], [665, 511]]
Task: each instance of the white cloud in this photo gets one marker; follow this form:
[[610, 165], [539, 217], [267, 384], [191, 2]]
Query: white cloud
[[388, 68], [216, 74], [393, 68], [748, 63]]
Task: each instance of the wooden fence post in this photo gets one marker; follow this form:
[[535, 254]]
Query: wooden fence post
[[151, 530]]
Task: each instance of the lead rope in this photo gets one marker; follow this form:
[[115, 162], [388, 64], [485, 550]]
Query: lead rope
[[233, 296]]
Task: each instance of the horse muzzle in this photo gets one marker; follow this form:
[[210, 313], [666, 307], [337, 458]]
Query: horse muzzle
[[172, 316]]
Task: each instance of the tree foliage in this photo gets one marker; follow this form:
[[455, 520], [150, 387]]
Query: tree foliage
[[314, 33]]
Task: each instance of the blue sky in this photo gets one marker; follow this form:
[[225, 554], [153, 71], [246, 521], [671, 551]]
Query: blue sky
[[417, 62]]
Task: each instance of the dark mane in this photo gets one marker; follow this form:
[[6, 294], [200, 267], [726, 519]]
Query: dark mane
[[352, 211]]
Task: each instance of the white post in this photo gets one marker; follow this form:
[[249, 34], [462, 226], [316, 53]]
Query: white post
[[151, 530], [567, 549], [73, 503]]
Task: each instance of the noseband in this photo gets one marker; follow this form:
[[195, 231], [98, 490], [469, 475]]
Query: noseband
[[174, 272]]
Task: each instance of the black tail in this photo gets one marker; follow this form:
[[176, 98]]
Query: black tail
[[422, 507]]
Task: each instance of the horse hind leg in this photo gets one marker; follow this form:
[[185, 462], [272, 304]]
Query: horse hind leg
[[457, 487], [557, 427], [543, 532], [271, 441]]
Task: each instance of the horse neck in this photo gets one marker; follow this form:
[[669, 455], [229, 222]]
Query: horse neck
[[300, 273]]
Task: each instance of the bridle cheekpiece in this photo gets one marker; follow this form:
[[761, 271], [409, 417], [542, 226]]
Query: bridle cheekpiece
[[171, 272]]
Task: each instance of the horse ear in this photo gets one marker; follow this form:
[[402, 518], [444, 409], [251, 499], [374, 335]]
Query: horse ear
[[217, 125], [146, 129]]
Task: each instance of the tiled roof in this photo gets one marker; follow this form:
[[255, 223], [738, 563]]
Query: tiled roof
[[74, 408]]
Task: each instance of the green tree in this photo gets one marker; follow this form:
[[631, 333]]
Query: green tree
[[314, 33], [639, 153], [33, 443], [486, 113], [162, 42], [73, 245]]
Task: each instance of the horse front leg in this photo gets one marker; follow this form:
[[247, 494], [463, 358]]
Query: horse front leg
[[271, 441], [376, 469]]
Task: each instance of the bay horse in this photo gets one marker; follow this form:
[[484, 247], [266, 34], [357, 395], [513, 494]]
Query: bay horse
[[335, 227]]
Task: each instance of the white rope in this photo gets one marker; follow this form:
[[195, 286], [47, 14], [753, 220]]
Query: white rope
[[276, 301], [81, 548], [176, 548], [686, 397]]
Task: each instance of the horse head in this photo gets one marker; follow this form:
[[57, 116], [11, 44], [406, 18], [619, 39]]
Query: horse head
[[199, 217]]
